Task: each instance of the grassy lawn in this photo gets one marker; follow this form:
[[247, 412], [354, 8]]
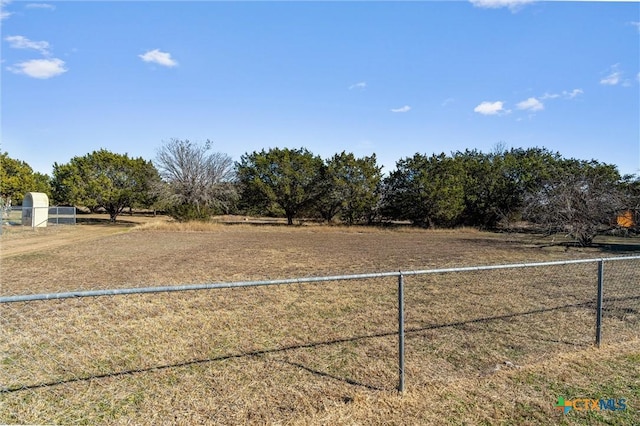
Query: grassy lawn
[[493, 347]]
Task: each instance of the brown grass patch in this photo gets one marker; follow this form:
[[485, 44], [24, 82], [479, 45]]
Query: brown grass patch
[[493, 347]]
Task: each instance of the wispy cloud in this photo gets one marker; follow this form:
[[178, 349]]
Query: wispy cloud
[[35, 68], [635, 24], [550, 96], [40, 68], [513, 5], [614, 77], [3, 12], [565, 94], [158, 57], [21, 42], [448, 101], [40, 6], [572, 94], [531, 104], [360, 86], [491, 108], [405, 108]]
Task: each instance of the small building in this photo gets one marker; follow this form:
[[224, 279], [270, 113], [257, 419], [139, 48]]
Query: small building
[[35, 209]]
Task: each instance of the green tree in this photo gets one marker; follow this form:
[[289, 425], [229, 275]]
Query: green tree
[[103, 179], [287, 178], [428, 191], [42, 183], [495, 184], [351, 187], [17, 178]]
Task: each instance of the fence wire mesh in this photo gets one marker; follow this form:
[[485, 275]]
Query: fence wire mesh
[[53, 215], [83, 351], [110, 353], [476, 323], [621, 300]]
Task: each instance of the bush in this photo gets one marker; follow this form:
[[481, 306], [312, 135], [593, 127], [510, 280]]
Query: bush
[[188, 212]]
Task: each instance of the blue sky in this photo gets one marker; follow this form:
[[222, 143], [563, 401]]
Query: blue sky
[[391, 78]]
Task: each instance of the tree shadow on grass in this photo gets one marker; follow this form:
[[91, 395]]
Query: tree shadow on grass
[[104, 221], [619, 248], [258, 353]]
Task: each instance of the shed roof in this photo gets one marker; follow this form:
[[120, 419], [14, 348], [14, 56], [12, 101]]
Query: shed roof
[[35, 199]]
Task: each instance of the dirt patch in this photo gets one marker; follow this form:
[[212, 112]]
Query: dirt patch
[[16, 242]]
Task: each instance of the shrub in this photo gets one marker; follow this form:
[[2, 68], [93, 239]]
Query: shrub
[[188, 212]]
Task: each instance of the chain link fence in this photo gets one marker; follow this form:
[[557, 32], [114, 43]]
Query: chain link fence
[[373, 331], [56, 215], [478, 322]]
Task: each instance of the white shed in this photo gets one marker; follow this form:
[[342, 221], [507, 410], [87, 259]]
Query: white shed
[[35, 209]]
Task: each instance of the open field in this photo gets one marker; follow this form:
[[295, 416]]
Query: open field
[[496, 347]]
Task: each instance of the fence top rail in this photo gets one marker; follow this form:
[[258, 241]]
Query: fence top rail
[[518, 265], [237, 284]]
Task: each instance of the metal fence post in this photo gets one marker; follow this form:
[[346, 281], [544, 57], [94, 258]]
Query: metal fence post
[[599, 302], [401, 332]]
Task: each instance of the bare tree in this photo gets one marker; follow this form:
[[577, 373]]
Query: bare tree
[[197, 179], [579, 203]]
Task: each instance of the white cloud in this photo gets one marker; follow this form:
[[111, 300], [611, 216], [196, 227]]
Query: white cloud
[[361, 85], [40, 68], [635, 24], [491, 108], [531, 104], [564, 95], [3, 13], [40, 6], [21, 42], [158, 57], [405, 108], [572, 94], [614, 77], [549, 96], [513, 5]]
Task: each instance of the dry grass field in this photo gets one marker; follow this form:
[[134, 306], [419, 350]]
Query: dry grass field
[[493, 347]]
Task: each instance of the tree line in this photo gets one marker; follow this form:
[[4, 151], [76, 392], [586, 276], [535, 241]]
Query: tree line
[[466, 188]]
